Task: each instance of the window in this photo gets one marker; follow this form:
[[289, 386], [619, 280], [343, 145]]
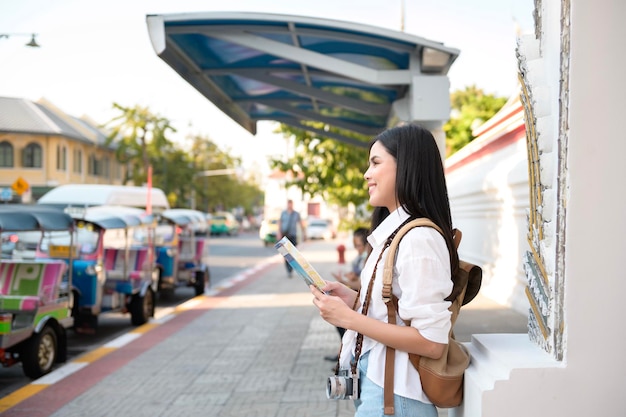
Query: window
[[106, 167], [61, 158], [117, 170], [93, 166], [6, 155], [31, 157], [77, 162]]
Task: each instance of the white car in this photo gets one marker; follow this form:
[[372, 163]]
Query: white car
[[320, 229]]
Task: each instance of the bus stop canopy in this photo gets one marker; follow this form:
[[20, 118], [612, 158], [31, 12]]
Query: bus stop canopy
[[305, 72]]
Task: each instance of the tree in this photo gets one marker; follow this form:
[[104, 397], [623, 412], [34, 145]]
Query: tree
[[470, 108], [173, 173], [139, 134], [334, 170], [220, 192], [325, 167], [142, 141]]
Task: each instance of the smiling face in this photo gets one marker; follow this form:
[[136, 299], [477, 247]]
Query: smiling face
[[381, 178]]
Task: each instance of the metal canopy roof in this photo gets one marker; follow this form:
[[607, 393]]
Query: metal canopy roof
[[296, 70]]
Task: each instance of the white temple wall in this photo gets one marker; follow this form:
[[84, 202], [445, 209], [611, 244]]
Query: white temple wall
[[489, 202], [571, 363]]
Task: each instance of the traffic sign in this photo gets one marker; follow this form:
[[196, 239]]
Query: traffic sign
[[6, 194], [20, 186]]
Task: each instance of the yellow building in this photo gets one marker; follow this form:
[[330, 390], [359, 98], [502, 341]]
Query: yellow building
[[42, 147]]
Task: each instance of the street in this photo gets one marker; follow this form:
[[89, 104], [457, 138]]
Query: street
[[228, 256]]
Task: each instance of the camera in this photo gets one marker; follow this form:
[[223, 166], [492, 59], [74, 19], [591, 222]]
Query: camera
[[343, 386]]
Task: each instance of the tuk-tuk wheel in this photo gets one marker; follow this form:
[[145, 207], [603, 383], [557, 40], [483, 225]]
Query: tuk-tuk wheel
[[201, 279], [141, 308], [40, 353]]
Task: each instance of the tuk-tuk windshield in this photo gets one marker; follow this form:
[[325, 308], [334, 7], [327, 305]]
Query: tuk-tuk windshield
[[57, 244], [120, 238], [165, 234]]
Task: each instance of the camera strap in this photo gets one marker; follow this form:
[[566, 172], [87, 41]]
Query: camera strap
[[366, 302]]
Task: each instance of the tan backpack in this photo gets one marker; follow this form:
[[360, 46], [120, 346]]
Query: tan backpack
[[442, 379]]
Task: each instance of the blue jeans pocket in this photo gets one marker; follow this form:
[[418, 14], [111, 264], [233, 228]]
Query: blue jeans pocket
[[371, 399]]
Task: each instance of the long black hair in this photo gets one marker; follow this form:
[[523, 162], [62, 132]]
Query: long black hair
[[420, 180]]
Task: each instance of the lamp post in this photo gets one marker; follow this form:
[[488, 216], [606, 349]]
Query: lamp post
[[32, 43]]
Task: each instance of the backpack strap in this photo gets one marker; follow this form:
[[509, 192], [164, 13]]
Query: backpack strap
[[390, 261], [391, 258]]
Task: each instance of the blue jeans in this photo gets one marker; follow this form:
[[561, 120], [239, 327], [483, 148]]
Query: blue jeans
[[371, 402]]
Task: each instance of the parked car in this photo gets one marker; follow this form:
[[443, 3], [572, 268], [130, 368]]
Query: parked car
[[269, 231], [320, 229], [224, 223]]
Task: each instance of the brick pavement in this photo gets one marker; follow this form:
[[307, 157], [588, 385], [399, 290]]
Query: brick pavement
[[254, 350]]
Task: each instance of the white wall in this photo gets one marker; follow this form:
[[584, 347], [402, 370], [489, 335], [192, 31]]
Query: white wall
[[595, 279], [489, 199], [510, 375]]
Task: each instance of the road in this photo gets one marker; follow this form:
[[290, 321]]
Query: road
[[228, 256]]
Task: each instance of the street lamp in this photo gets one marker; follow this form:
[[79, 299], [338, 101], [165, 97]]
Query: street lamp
[[33, 42]]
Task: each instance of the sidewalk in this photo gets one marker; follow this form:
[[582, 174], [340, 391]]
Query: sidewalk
[[255, 349]]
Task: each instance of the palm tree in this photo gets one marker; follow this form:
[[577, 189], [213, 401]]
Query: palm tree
[[138, 133]]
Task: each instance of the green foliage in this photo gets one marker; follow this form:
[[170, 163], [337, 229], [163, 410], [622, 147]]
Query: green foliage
[[325, 167], [333, 170], [142, 141], [328, 168], [138, 134], [319, 166], [470, 108]]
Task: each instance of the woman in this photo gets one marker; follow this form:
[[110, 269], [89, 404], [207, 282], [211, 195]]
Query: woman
[[405, 180], [352, 278]]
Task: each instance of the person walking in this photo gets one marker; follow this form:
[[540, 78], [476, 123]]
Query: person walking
[[405, 180], [288, 224]]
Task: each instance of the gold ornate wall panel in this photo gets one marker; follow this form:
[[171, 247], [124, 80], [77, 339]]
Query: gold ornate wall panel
[[546, 140]]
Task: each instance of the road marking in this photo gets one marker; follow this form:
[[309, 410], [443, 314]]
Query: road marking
[[122, 340], [165, 319], [59, 374], [188, 305], [77, 364], [94, 355], [20, 395]]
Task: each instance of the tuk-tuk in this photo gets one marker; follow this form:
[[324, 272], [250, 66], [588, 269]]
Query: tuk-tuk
[[35, 301], [268, 231], [114, 269], [182, 241]]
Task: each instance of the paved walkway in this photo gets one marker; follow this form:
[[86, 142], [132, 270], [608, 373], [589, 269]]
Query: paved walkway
[[255, 348]]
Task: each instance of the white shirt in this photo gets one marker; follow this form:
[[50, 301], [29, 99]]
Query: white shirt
[[421, 281]]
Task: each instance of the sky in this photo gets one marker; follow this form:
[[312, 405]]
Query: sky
[[93, 54]]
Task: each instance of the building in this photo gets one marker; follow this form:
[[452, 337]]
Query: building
[[42, 147]]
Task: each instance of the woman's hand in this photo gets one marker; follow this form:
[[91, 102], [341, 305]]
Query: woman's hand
[[340, 290], [336, 305]]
